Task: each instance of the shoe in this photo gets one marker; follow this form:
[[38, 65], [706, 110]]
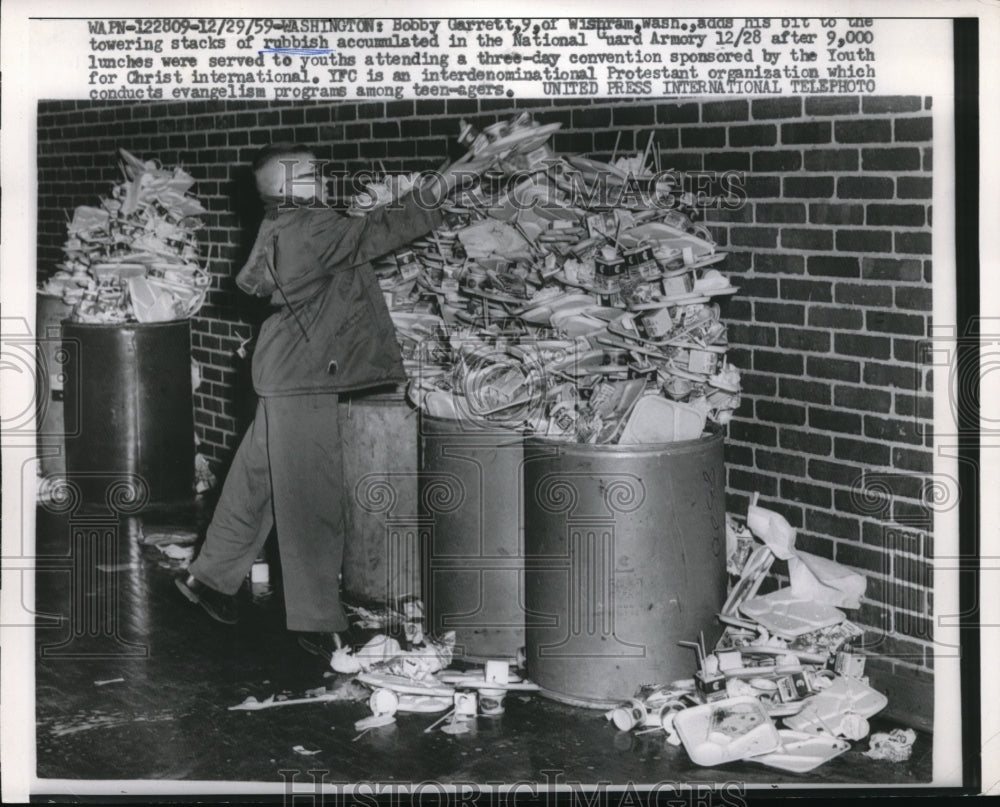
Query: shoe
[[221, 607], [323, 645]]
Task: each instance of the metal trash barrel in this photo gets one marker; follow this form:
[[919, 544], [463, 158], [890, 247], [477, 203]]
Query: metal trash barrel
[[625, 557], [378, 435], [50, 311], [473, 563], [128, 410]]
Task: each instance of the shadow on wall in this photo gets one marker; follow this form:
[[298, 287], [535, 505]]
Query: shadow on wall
[[244, 202]]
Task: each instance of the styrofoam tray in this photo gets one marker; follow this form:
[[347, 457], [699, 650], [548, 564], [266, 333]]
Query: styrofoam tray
[[828, 707], [801, 751], [788, 616], [658, 420], [726, 730]]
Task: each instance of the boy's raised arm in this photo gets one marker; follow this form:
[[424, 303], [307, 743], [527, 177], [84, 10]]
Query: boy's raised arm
[[346, 241]]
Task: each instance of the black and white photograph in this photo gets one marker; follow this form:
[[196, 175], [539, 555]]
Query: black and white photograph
[[467, 407]]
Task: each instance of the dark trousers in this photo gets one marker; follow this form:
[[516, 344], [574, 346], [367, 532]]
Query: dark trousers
[[286, 473]]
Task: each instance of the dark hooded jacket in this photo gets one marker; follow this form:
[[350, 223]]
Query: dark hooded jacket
[[344, 339]]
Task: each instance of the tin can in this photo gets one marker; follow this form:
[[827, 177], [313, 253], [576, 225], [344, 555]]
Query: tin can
[[465, 704], [491, 701], [630, 714]]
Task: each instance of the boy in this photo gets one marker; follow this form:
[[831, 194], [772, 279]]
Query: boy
[[332, 334]]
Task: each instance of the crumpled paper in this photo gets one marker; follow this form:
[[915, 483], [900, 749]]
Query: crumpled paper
[[385, 654], [135, 258], [811, 577], [895, 746]]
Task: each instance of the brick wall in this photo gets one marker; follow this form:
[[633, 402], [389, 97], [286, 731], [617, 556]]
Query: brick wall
[[831, 251]]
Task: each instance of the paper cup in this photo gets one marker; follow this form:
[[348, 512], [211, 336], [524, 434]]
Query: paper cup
[[491, 701], [383, 702], [629, 715]]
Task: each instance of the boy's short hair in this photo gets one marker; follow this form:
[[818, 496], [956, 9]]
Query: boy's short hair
[[276, 151]]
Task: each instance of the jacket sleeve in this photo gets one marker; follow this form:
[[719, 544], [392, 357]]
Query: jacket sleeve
[[254, 278], [346, 241]]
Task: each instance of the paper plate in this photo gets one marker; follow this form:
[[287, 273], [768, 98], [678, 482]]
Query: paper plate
[[561, 277], [577, 324], [569, 303], [423, 703], [603, 312], [406, 686], [707, 260], [691, 298], [495, 297], [520, 141], [719, 291], [476, 681], [373, 722], [657, 232], [652, 306]]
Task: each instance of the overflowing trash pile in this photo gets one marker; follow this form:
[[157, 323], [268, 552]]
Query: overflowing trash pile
[[401, 670], [784, 686], [135, 257], [563, 297], [789, 656]]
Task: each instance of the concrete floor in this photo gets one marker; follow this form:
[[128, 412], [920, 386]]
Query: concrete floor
[[167, 719]]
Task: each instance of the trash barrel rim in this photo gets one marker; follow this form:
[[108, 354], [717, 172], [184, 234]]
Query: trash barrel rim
[[471, 427], [712, 434], [125, 325]]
